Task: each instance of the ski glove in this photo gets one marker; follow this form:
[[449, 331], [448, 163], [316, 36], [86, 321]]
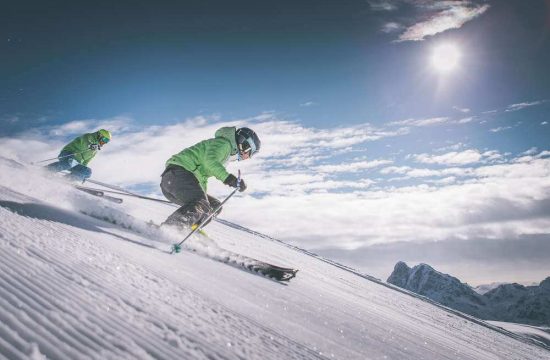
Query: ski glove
[[94, 147], [231, 180]]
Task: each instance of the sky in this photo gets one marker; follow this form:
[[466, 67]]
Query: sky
[[391, 130]]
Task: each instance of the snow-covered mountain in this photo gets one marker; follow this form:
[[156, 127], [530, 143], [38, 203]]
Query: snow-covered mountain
[[521, 304], [506, 302], [73, 286], [445, 289], [485, 288]]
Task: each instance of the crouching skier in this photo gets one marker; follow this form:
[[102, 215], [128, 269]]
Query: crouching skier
[[184, 181], [76, 155]]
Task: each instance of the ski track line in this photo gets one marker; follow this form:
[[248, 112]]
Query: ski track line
[[62, 338], [49, 327], [69, 324], [68, 330]]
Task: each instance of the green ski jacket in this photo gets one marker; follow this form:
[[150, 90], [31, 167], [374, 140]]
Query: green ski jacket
[[80, 147], [208, 157]]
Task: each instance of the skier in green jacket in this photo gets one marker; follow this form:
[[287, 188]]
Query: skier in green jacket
[[76, 155], [184, 181]]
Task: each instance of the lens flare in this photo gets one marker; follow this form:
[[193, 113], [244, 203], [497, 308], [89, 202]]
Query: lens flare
[[445, 58]]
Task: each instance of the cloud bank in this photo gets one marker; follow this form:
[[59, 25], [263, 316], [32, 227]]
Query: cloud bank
[[319, 188]]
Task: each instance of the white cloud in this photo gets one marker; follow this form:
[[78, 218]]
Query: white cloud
[[420, 122], [544, 123], [531, 151], [382, 5], [415, 173], [453, 147], [500, 128], [491, 155], [462, 110], [10, 119], [395, 170], [453, 15], [465, 120], [351, 167], [523, 105], [451, 158], [503, 200], [391, 27], [445, 181], [78, 127], [308, 104]]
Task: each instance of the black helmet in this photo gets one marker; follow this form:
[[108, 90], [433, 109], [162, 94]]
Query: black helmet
[[247, 140]]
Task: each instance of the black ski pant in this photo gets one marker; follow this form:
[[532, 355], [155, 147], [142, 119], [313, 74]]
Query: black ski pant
[[180, 186]]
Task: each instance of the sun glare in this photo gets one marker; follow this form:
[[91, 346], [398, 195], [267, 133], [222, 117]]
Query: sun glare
[[445, 58]]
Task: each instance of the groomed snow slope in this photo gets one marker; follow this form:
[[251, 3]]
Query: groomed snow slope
[[75, 287]]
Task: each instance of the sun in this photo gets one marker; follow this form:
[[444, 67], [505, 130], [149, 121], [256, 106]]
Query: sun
[[445, 58]]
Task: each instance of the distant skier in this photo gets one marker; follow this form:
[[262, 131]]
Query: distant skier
[[76, 155], [185, 179]]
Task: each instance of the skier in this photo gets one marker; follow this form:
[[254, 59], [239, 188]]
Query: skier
[[184, 181], [76, 155]]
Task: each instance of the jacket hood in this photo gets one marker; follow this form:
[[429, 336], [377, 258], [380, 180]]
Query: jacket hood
[[228, 133]]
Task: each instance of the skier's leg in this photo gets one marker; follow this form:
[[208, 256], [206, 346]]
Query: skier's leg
[[214, 204], [65, 163], [182, 187], [189, 215], [57, 166], [80, 172]]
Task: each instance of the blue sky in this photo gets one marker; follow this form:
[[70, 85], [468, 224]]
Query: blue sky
[[367, 142]]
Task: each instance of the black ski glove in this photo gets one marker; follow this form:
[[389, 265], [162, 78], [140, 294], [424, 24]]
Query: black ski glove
[[94, 147], [231, 180]]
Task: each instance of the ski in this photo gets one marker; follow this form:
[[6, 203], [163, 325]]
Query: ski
[[98, 193], [120, 191], [259, 267], [277, 273], [269, 270]]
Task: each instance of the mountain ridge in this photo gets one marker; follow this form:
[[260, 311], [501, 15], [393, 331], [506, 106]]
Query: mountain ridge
[[506, 302]]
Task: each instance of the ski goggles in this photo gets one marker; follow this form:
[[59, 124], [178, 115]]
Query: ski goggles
[[103, 140], [250, 149]]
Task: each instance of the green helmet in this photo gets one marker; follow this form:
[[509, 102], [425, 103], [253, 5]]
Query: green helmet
[[104, 136]]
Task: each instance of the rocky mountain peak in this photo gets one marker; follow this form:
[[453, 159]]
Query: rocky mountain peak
[[507, 302], [545, 284]]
